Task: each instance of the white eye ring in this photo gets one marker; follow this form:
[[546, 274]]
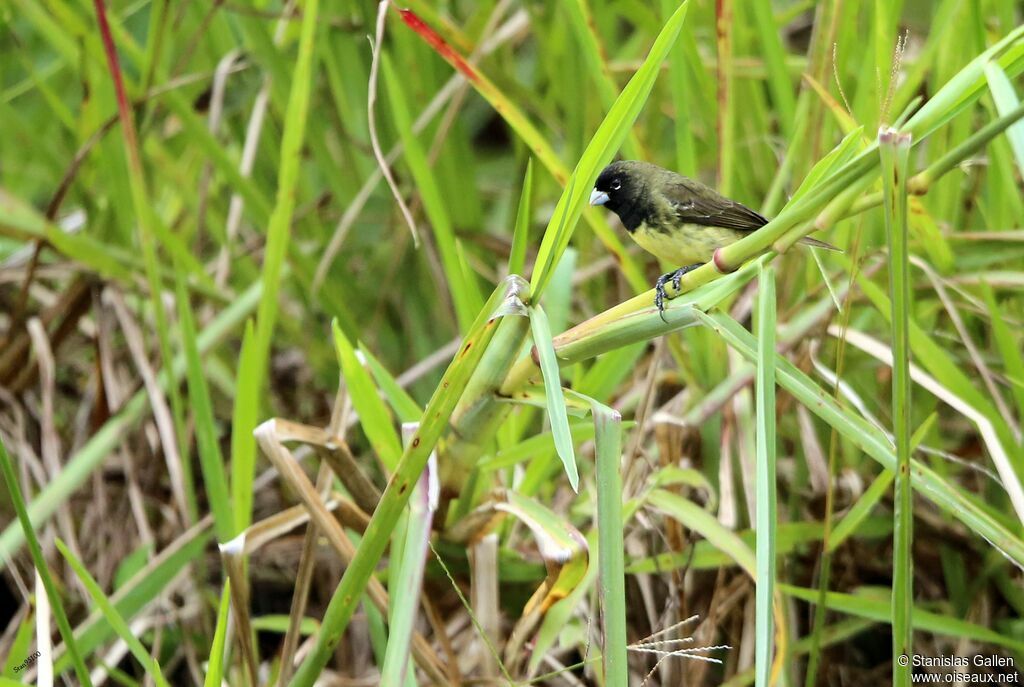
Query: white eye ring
[[616, 185]]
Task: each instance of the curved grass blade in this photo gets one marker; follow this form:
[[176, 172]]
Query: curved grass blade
[[791, 536], [706, 525], [554, 398]]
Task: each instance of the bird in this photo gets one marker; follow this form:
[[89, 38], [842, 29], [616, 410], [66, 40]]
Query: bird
[[677, 219]]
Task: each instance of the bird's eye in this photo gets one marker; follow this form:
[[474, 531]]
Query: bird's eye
[[616, 185]]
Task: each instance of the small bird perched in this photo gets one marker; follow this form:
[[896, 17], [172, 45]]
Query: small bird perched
[[679, 220]]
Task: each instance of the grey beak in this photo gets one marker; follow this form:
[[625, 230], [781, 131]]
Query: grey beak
[[598, 197]]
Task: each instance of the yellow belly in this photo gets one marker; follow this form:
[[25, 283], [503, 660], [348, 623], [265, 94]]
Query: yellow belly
[[685, 245]]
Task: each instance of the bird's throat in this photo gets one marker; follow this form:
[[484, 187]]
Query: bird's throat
[[632, 216]]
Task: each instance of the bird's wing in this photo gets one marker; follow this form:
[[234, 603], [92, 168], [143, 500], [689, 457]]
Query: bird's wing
[[696, 204]]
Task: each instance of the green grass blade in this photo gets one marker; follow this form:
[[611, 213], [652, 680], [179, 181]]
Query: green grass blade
[[215, 665], [464, 291], [767, 515], [373, 414], [791, 537], [210, 459], [681, 90], [56, 604], [692, 516], [1006, 102], [280, 223], [1009, 349], [554, 398], [521, 234], [244, 418], [145, 586], [581, 22], [878, 608], [20, 645], [725, 29], [860, 510], [404, 405], [779, 81], [894, 149], [113, 617], [961, 90]]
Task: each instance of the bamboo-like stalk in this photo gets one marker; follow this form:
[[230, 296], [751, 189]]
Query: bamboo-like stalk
[[895, 149], [629, 322]]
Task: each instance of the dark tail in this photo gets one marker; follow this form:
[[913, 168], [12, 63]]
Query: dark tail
[[808, 241]]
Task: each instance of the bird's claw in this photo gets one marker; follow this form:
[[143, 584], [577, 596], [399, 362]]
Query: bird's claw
[[674, 278], [659, 294]]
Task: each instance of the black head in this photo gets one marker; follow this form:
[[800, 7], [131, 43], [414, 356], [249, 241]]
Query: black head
[[620, 187]]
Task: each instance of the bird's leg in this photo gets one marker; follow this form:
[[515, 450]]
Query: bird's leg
[[674, 278]]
